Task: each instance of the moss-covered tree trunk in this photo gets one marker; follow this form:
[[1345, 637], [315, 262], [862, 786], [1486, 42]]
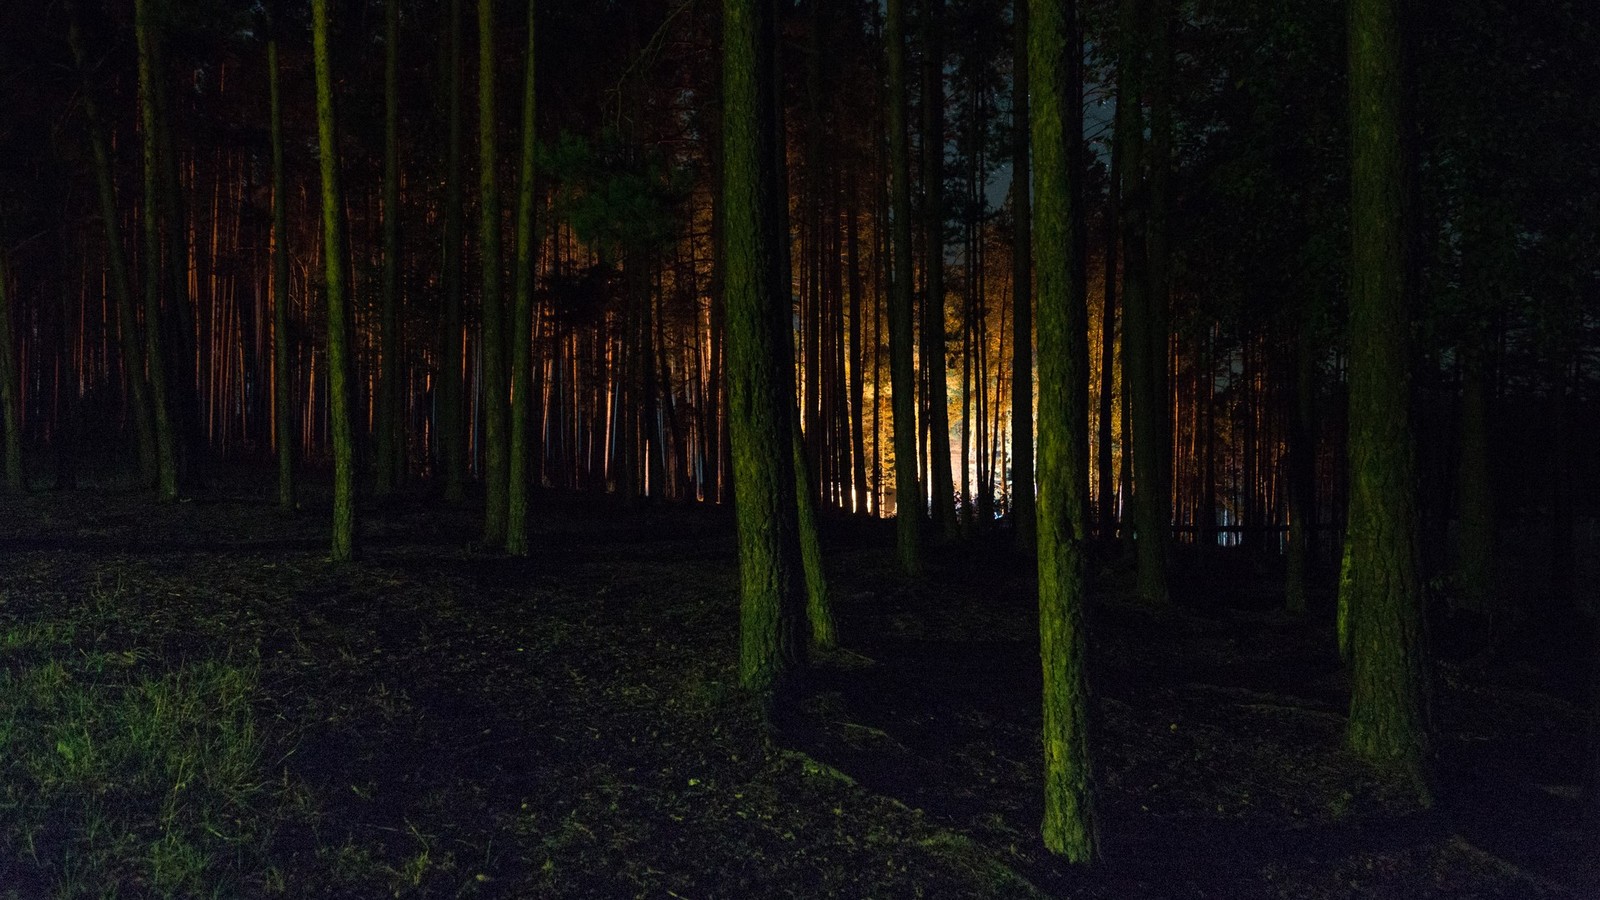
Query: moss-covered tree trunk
[[518, 478], [283, 396], [451, 394], [131, 341], [1022, 489], [339, 355], [941, 482], [10, 387], [1389, 663], [902, 374], [761, 402], [1057, 131], [496, 408], [155, 356], [389, 449]]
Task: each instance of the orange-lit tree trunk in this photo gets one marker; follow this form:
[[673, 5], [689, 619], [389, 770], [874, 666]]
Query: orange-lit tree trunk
[[1057, 132], [941, 484], [518, 477], [155, 357], [902, 376], [339, 354], [858, 357], [1107, 503], [283, 396]]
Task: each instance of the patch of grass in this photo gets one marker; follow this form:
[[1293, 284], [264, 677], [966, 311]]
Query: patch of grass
[[117, 776]]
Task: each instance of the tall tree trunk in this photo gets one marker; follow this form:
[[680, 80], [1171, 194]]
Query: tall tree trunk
[[518, 476], [1108, 341], [858, 357], [155, 358], [339, 352], [389, 448], [283, 402], [762, 410], [1022, 490], [1389, 665], [193, 453], [1054, 63], [493, 343], [131, 343], [902, 375], [1141, 367], [941, 481], [451, 402]]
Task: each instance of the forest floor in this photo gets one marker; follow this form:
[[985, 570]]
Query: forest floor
[[195, 702]]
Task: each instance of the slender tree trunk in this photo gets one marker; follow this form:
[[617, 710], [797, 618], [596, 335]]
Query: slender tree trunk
[[389, 448], [1146, 400], [858, 357], [1022, 490], [1054, 51], [155, 358], [1389, 664], [493, 344], [192, 455], [339, 353], [451, 402], [121, 284], [762, 409], [1158, 268], [1108, 361], [283, 401], [941, 482], [902, 374], [518, 480]]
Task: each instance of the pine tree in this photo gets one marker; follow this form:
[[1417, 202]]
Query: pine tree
[[452, 440], [1389, 661], [518, 476], [1057, 129], [902, 377], [761, 400], [132, 341], [496, 411], [155, 356], [339, 361], [283, 397], [390, 450]]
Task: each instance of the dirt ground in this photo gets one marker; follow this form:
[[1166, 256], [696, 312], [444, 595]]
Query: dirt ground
[[441, 721]]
